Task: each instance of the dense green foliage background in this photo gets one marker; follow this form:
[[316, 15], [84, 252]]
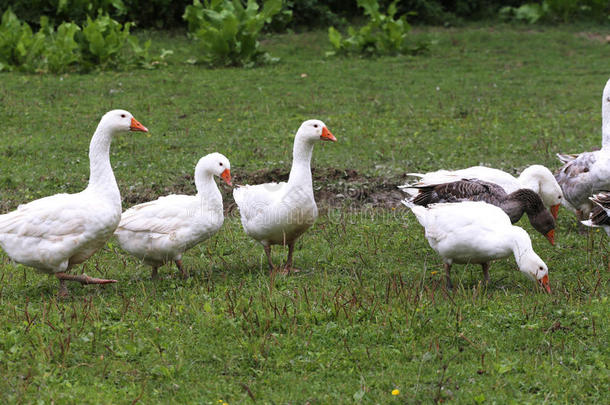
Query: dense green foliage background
[[304, 14]]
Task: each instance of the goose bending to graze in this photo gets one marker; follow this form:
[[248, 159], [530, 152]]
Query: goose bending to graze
[[513, 204], [536, 177], [55, 233], [599, 216], [477, 232], [278, 213], [587, 173], [162, 230]]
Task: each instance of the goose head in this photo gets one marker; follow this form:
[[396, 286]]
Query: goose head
[[541, 180], [533, 267], [314, 130], [120, 121], [527, 200], [544, 223], [215, 164]]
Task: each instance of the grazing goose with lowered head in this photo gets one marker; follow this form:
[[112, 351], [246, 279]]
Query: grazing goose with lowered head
[[162, 230], [587, 173], [599, 216], [53, 234], [477, 232], [513, 204], [536, 177], [278, 213]]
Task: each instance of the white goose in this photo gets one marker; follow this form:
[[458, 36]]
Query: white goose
[[515, 204], [477, 232], [162, 230], [278, 213], [584, 174], [55, 233], [536, 177]]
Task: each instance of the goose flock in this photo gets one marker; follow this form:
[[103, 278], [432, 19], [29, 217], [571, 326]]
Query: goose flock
[[467, 214]]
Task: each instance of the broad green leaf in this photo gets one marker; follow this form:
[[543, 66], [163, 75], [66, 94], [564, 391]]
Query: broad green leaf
[[271, 8], [230, 28], [334, 37]]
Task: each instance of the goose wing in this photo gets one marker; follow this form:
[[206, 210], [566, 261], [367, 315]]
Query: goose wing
[[462, 190]]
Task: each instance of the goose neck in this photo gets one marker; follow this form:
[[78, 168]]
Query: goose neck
[[606, 117], [525, 200], [530, 179], [300, 173], [513, 208], [606, 130], [521, 244], [101, 174], [207, 190]]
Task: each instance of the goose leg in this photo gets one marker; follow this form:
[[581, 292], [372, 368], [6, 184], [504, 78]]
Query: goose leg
[[448, 276], [268, 253], [185, 272], [63, 290], [580, 216], [485, 267], [81, 278], [288, 266], [154, 275]]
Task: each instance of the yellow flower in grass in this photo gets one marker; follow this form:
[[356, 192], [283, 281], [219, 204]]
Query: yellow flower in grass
[[395, 392]]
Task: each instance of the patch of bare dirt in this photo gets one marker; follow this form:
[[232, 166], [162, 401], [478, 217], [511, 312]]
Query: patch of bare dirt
[[332, 188], [594, 36]]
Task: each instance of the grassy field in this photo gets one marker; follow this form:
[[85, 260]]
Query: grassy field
[[368, 314]]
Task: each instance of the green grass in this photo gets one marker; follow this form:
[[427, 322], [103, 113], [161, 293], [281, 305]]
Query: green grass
[[368, 313]]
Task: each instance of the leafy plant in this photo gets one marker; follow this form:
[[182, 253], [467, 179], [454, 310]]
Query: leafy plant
[[100, 43], [384, 34], [530, 12], [19, 46], [569, 10], [103, 40], [558, 10], [227, 31], [61, 50]]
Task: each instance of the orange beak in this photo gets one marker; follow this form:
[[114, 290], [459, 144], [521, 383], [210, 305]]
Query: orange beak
[[544, 282], [226, 176], [550, 235], [136, 126], [327, 136], [555, 210]]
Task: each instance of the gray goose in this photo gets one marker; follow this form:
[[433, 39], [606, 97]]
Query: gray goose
[[514, 204], [585, 174]]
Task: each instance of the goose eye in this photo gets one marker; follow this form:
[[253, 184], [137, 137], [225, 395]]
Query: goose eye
[[608, 99], [220, 163], [123, 116], [540, 268], [315, 125]]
